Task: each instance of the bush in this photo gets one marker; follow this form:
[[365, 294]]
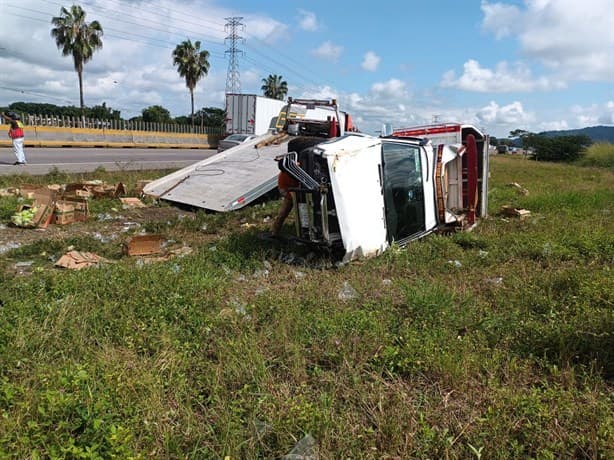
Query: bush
[[600, 154], [560, 148]]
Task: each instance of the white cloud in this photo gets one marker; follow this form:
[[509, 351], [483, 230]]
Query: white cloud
[[391, 89], [594, 114], [574, 38], [263, 29], [137, 44], [328, 50], [510, 115], [555, 125], [370, 61], [308, 21], [499, 18], [504, 78]]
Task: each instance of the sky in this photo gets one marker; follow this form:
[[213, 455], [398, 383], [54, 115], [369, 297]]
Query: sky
[[501, 65]]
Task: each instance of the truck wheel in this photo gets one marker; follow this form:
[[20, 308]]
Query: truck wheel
[[298, 144]]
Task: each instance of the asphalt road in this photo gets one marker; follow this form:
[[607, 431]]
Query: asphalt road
[[76, 160]]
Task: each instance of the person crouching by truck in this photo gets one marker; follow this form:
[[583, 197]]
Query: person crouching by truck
[[17, 136], [284, 183]]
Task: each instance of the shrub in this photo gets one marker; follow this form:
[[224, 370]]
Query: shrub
[[560, 148], [600, 154]]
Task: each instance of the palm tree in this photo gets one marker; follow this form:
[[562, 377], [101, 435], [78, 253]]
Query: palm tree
[[192, 64], [76, 38], [274, 87]]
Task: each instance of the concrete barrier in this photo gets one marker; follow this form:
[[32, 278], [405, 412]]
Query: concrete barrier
[[48, 136]]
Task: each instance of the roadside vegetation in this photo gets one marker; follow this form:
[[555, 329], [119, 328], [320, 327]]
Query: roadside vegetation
[[600, 154], [491, 344]]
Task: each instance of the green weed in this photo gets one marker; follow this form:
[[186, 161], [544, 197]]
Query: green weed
[[490, 344]]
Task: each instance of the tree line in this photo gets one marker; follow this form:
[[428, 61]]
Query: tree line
[[79, 39], [213, 117], [547, 148]]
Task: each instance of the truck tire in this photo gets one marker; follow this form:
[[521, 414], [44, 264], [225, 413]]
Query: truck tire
[[298, 144]]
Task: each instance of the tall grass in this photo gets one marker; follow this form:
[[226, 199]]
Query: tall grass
[[496, 343], [600, 155]]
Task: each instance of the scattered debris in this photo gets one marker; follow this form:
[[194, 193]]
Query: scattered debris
[[261, 273], [510, 211], [305, 449], [456, 263], [23, 267], [140, 185], [347, 292], [27, 263], [130, 203], [495, 280], [519, 188], [8, 247], [37, 214], [76, 260], [144, 245], [64, 213], [130, 226]]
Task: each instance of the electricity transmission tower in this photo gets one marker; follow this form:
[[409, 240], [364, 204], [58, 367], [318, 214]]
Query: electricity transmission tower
[[233, 27]]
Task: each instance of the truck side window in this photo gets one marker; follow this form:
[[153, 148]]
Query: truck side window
[[403, 190]]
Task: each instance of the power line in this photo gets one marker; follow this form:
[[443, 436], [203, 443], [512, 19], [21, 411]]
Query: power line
[[154, 29], [44, 95], [293, 61], [301, 73], [148, 40], [287, 64]]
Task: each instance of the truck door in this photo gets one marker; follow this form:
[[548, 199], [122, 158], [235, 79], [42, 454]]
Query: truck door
[[403, 188]]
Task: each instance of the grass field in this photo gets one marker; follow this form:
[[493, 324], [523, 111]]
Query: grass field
[[491, 344]]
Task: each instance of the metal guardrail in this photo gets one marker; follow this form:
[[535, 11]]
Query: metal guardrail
[[122, 125]]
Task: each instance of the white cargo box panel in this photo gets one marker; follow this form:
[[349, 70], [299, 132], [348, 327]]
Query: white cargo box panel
[[224, 182]]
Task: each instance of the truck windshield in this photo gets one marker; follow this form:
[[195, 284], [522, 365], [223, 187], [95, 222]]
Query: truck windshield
[[403, 191]]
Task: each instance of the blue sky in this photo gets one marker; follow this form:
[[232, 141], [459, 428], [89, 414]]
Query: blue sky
[[502, 65]]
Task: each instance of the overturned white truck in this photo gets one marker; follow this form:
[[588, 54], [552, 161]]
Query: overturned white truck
[[362, 193], [355, 192]]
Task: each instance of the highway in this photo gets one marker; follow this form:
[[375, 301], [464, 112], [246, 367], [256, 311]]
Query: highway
[[77, 160]]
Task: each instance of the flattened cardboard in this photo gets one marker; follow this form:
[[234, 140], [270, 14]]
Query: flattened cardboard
[[76, 260], [144, 245], [130, 202], [515, 212]]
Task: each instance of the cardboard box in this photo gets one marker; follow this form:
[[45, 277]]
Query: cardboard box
[[64, 213], [83, 193], [44, 201], [144, 245], [81, 207]]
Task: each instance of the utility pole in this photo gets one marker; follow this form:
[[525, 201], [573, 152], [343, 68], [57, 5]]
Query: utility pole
[[233, 27]]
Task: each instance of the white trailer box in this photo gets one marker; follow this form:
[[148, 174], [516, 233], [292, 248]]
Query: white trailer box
[[251, 114]]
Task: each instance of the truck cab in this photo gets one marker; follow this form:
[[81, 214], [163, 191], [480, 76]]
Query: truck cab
[[361, 193]]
